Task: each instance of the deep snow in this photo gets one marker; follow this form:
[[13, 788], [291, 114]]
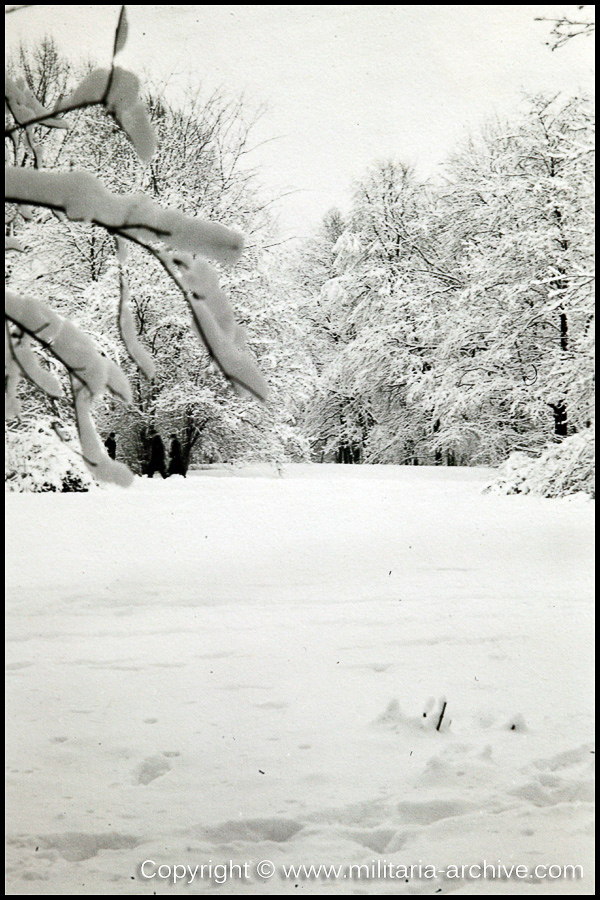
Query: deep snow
[[237, 669]]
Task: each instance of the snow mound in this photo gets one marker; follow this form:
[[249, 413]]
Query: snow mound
[[433, 717]]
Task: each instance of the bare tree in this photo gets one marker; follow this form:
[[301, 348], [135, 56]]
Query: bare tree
[[565, 28]]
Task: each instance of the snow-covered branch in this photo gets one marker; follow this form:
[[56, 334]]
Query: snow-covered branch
[[179, 243]]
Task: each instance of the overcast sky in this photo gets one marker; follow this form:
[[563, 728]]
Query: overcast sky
[[344, 85]]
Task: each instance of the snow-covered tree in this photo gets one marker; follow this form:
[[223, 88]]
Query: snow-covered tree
[[517, 346], [457, 318], [179, 244], [374, 311], [206, 140]]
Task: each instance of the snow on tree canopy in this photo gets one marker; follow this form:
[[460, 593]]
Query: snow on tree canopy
[[348, 250], [334, 292], [83, 198]]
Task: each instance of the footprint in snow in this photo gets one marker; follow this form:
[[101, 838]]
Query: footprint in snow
[[75, 846], [151, 769], [274, 829], [579, 756]]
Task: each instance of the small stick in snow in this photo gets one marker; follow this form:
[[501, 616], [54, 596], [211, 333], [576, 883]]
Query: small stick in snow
[[437, 727]]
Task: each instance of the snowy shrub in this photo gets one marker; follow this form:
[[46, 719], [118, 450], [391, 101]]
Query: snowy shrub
[[562, 469], [37, 460]]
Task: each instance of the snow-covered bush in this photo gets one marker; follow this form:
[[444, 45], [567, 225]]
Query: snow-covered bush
[[36, 460], [562, 469]]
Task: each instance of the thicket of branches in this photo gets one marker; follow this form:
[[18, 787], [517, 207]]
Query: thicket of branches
[[565, 28], [122, 286], [454, 322], [124, 254]]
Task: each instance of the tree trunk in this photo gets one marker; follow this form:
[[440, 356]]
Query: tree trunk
[[560, 409], [438, 453], [564, 332], [560, 419]]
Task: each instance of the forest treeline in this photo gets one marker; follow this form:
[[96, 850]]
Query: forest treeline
[[447, 322], [454, 322]]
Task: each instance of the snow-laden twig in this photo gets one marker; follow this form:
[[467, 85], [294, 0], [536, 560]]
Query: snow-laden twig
[[70, 346], [83, 198], [133, 345]]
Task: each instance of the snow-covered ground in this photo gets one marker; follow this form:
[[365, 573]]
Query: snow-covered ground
[[236, 669]]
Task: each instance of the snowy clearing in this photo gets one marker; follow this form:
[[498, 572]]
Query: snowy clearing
[[238, 669]]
